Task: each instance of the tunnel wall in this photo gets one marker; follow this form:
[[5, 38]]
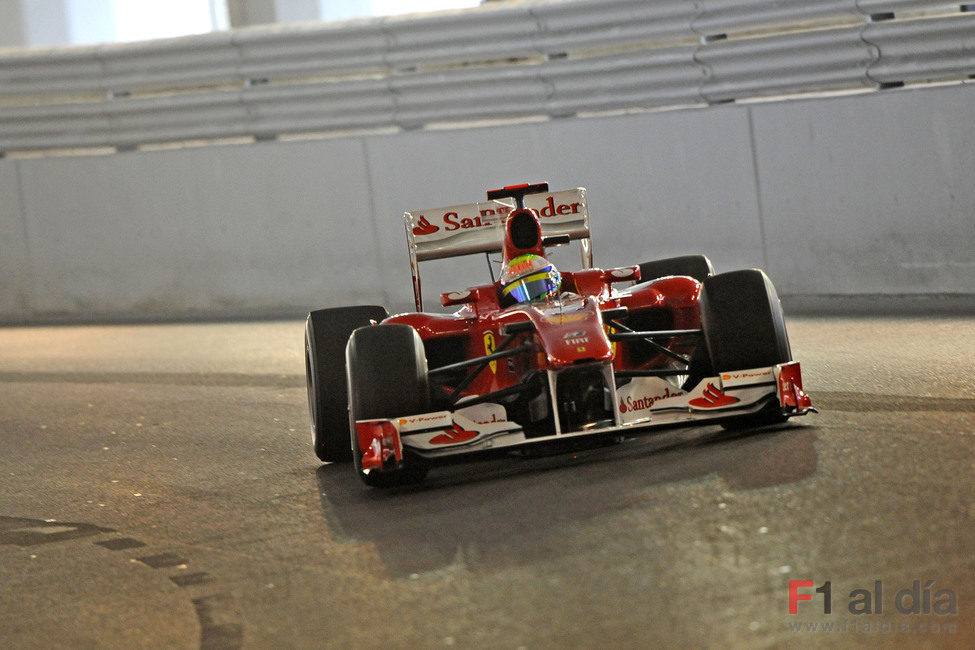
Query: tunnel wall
[[865, 198]]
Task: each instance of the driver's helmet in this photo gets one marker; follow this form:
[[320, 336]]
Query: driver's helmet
[[529, 277]]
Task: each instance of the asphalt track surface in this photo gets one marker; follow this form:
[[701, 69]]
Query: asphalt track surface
[[158, 489]]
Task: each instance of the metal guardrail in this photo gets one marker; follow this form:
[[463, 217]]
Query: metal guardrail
[[528, 59]]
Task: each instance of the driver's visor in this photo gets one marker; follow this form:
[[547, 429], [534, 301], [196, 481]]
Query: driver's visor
[[531, 287]]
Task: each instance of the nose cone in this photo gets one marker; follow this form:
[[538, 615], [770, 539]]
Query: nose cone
[[571, 331]]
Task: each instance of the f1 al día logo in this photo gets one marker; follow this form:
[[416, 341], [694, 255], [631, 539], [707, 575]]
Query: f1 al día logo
[[922, 597]]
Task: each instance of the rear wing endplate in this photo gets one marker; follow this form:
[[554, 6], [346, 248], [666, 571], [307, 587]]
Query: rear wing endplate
[[479, 228]]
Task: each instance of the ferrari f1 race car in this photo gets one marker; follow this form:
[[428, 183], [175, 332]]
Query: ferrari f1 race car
[[540, 358]]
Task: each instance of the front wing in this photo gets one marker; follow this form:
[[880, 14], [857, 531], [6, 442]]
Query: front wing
[[642, 405]]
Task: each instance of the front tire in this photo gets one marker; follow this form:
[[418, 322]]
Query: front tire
[[744, 328], [326, 333], [387, 377]]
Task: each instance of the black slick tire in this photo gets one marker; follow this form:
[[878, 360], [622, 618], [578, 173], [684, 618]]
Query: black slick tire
[[327, 332], [744, 328], [387, 377]]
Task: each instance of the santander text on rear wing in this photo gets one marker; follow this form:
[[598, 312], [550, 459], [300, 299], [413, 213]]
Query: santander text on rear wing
[[479, 227]]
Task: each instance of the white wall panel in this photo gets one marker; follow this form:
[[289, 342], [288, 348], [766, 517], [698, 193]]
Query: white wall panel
[[866, 194], [15, 289], [213, 230], [870, 194]]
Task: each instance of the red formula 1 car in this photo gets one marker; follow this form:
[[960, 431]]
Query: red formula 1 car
[[539, 358]]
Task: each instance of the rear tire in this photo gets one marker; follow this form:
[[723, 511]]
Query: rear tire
[[744, 328], [326, 333], [696, 266], [387, 377]]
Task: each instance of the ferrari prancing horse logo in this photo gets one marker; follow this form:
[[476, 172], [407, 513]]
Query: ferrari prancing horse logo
[[489, 349]]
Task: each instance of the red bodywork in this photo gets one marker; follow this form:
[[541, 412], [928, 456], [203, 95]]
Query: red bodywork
[[566, 334], [591, 374]]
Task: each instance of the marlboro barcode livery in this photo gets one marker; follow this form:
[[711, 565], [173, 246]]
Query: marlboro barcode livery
[[542, 355]]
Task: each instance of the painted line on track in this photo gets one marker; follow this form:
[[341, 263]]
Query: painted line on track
[[220, 626]]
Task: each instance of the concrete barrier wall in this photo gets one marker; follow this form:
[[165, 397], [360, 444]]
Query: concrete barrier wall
[[858, 195], [15, 275], [870, 195]]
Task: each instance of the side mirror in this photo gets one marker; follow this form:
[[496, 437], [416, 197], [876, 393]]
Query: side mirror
[[621, 274], [457, 298]]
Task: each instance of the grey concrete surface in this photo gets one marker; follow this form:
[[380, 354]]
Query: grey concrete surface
[[158, 489], [842, 196], [885, 209], [15, 275]]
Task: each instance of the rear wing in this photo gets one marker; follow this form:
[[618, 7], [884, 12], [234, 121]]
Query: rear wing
[[479, 228]]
